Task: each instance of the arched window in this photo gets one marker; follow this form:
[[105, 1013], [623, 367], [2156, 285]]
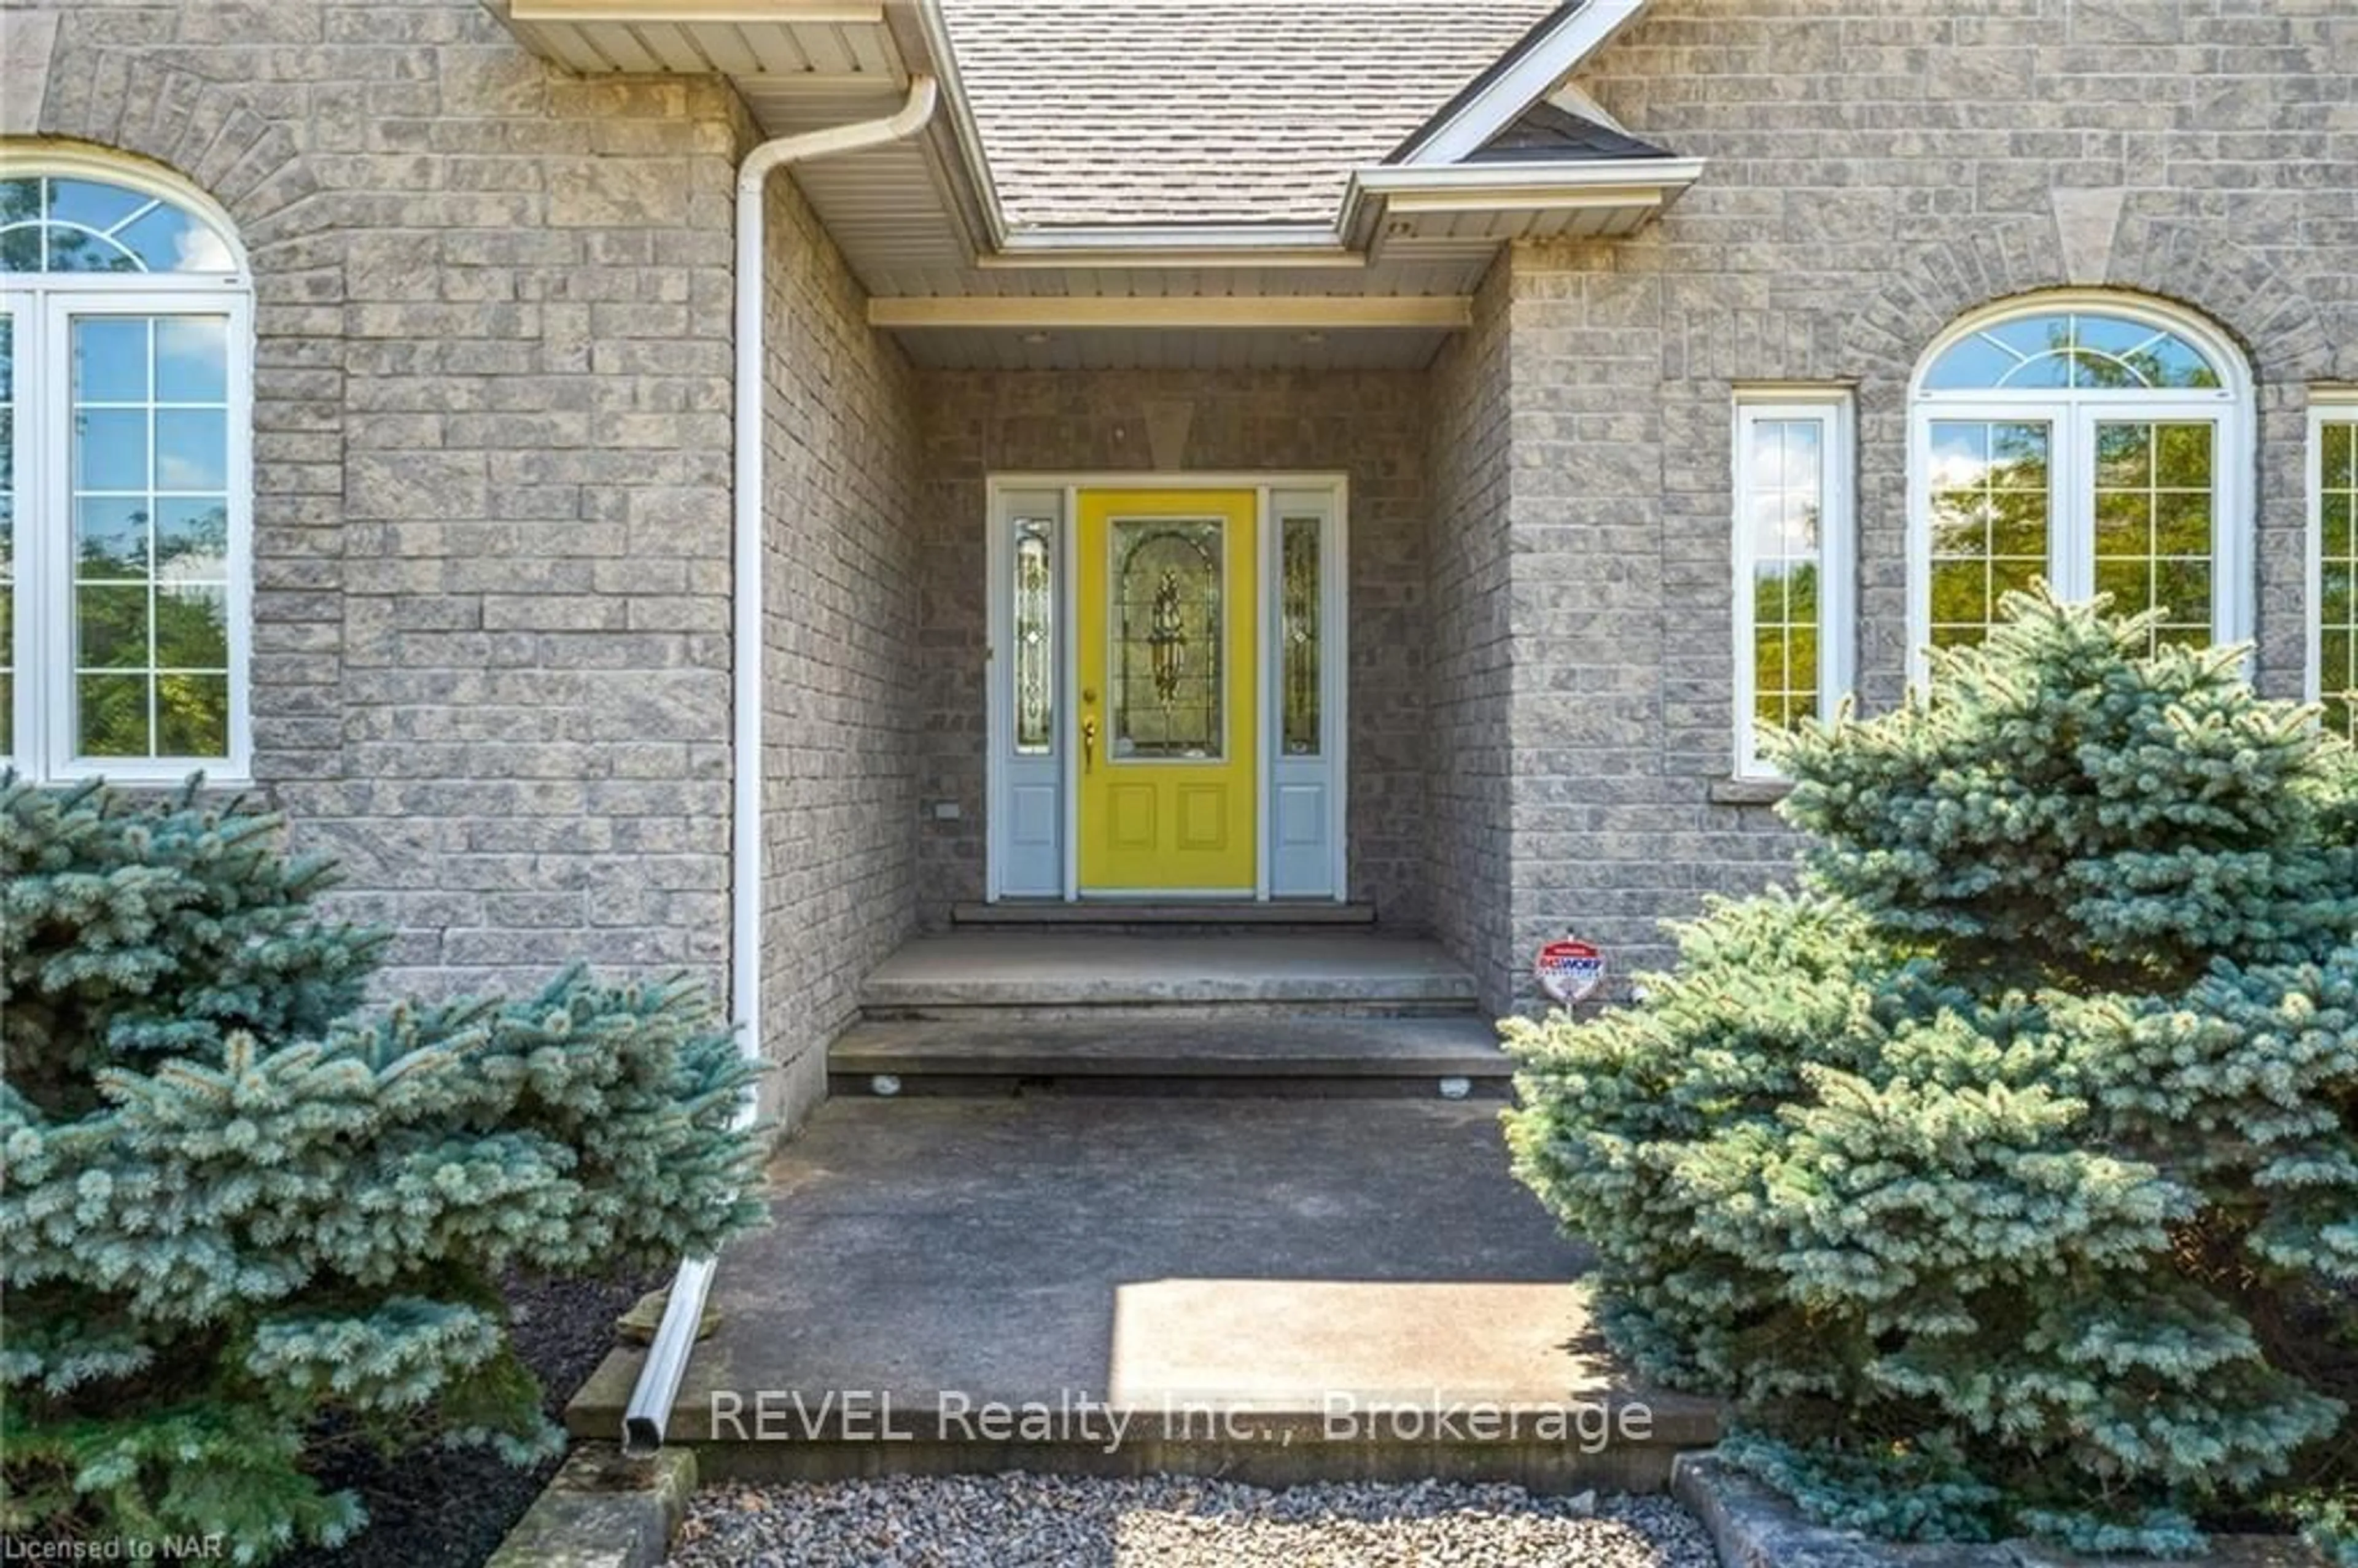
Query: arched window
[[126, 366], [2097, 441]]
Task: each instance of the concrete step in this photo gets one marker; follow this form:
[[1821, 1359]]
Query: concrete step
[[1277, 1291], [1050, 973], [1455, 1056], [1115, 915]]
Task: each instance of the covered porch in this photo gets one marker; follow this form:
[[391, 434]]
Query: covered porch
[[945, 744], [975, 340], [1109, 544]]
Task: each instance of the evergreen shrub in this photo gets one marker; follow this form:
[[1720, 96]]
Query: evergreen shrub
[[2005, 1176], [239, 1214]]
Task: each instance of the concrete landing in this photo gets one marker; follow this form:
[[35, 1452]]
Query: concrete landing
[[1278, 1290], [1290, 970], [1245, 1056], [1138, 914]]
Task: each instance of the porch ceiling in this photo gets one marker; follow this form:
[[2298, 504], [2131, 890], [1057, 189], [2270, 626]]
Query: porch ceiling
[[1148, 349]]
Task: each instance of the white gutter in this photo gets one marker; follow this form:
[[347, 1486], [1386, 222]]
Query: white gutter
[[1330, 256], [1165, 238], [658, 1385], [1512, 177], [1532, 185]]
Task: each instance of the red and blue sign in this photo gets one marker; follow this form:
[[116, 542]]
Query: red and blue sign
[[1570, 971]]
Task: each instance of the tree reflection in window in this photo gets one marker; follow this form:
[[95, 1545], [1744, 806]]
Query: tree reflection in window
[[2154, 487], [1990, 521], [148, 458], [1168, 626], [2337, 585], [1788, 498], [52, 224], [2085, 349], [2088, 444]]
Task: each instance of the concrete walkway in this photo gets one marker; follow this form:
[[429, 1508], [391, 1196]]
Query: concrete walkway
[[1268, 1258]]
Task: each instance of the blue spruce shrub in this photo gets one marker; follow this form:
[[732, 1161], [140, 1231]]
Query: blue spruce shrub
[[2005, 1176], [237, 1210]]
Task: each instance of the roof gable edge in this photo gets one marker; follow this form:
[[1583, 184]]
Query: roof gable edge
[[1524, 75]]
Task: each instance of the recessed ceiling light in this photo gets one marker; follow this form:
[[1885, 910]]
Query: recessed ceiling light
[[1312, 338], [1035, 339]]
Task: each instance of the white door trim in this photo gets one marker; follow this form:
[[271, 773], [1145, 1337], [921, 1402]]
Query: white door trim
[[1269, 587], [1066, 487]]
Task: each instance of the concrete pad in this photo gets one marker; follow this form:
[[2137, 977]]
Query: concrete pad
[[1285, 1345], [1060, 968], [1260, 1255]]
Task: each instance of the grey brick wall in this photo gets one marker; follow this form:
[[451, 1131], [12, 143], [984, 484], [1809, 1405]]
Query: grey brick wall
[[839, 602], [1369, 425], [1878, 167], [493, 452], [1471, 657], [492, 459]]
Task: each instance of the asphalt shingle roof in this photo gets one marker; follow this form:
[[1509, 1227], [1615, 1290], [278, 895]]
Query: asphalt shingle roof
[[1144, 112]]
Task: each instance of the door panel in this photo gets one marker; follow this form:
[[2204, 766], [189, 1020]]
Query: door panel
[[1167, 665]]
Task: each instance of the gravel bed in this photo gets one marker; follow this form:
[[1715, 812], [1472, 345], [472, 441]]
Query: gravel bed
[[1020, 1520]]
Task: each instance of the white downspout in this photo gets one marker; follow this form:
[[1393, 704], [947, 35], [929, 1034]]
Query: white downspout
[[658, 1385]]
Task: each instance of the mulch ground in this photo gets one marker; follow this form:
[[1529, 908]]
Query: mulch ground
[[449, 1508]]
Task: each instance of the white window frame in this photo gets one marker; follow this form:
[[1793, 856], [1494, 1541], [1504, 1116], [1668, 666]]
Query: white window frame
[[42, 306], [2071, 416], [2327, 405], [1832, 409]]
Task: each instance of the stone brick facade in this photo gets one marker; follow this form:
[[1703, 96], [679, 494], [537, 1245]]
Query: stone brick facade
[[492, 662], [1876, 168], [491, 452], [840, 669], [1471, 659]]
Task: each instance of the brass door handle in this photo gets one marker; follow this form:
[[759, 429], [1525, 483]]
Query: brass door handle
[[1088, 743]]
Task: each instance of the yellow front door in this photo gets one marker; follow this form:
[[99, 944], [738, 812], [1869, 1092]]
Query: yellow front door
[[1167, 678]]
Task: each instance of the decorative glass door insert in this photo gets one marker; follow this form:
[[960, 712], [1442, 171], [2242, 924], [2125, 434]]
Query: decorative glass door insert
[[1168, 619], [1035, 636], [1302, 587]]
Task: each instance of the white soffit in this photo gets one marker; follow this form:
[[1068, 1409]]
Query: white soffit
[[735, 37]]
